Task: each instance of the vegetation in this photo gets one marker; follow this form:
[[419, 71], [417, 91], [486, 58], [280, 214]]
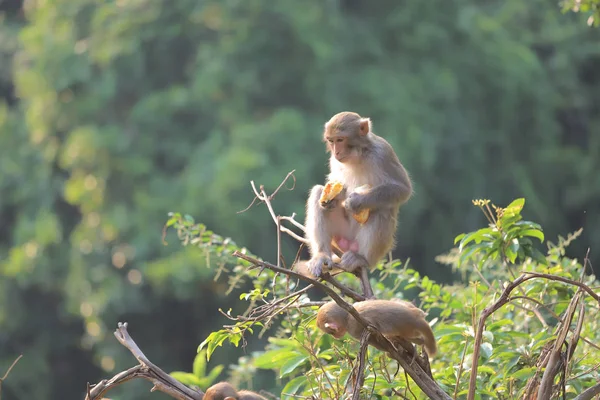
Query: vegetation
[[114, 113], [509, 324]]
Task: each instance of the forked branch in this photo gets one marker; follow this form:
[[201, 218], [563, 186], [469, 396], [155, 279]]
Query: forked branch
[[145, 370]]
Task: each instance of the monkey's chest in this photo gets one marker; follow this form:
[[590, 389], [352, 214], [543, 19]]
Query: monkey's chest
[[355, 180], [356, 176]]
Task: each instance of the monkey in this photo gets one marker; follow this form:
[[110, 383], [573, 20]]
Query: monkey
[[395, 319], [225, 391], [359, 158]]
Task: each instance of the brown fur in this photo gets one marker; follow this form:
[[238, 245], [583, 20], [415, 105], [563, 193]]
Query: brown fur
[[393, 318], [248, 395], [358, 157], [221, 391], [225, 391]]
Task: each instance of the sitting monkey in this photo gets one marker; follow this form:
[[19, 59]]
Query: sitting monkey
[[359, 159]]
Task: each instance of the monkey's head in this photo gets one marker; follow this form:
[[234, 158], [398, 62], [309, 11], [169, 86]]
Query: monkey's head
[[332, 319], [346, 135], [221, 391]]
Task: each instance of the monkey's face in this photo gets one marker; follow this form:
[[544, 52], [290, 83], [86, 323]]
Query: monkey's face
[[346, 137], [344, 148], [334, 329], [339, 148]]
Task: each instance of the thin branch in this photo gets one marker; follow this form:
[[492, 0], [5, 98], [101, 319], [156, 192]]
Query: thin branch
[[586, 288], [555, 360], [8, 372], [145, 370], [11, 367], [360, 373], [343, 289], [314, 282]]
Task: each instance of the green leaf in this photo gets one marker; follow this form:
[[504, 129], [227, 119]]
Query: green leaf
[[214, 374], [533, 233], [199, 366], [291, 365], [497, 324], [525, 373], [273, 358], [293, 386], [486, 349], [515, 207], [538, 256], [186, 378]]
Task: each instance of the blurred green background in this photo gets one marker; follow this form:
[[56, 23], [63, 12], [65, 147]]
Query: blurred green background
[[114, 113]]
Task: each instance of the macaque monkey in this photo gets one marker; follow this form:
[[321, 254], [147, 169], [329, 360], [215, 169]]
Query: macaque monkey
[[225, 391], [395, 319], [373, 178]]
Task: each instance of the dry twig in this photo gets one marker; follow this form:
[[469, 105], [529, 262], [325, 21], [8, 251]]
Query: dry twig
[[145, 370], [8, 372]]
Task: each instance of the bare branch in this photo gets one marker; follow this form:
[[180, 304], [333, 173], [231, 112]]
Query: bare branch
[[360, 372], [145, 370], [11, 367], [555, 360], [8, 372]]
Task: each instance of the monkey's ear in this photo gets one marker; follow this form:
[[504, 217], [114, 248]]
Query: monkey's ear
[[365, 126]]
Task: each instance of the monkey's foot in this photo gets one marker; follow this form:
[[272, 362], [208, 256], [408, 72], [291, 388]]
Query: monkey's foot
[[352, 261], [316, 264]]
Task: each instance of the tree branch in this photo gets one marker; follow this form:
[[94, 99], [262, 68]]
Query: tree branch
[[418, 371], [505, 298], [8, 372], [145, 370], [588, 394]]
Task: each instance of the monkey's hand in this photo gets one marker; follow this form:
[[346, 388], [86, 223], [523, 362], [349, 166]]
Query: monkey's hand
[[355, 203], [316, 264], [328, 205]]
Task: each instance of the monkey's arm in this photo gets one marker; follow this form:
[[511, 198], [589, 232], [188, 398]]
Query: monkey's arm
[[386, 195]]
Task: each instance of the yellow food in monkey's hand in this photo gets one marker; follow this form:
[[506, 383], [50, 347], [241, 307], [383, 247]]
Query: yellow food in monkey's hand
[[362, 216], [331, 190]]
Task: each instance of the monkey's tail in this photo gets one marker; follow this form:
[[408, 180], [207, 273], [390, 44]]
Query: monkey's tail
[[429, 339], [301, 267]]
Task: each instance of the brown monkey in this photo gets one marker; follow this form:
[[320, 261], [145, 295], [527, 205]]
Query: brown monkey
[[225, 391], [393, 318], [359, 158]]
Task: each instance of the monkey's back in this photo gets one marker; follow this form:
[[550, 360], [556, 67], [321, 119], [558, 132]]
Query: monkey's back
[[248, 395], [395, 318]]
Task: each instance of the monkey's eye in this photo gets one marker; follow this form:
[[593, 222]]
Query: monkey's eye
[[330, 141], [339, 140]]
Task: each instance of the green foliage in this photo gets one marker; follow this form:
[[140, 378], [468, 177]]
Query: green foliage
[[507, 237], [589, 7], [199, 376], [307, 361], [114, 113]]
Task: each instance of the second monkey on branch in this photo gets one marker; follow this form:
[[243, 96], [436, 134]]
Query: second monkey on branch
[[359, 159]]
